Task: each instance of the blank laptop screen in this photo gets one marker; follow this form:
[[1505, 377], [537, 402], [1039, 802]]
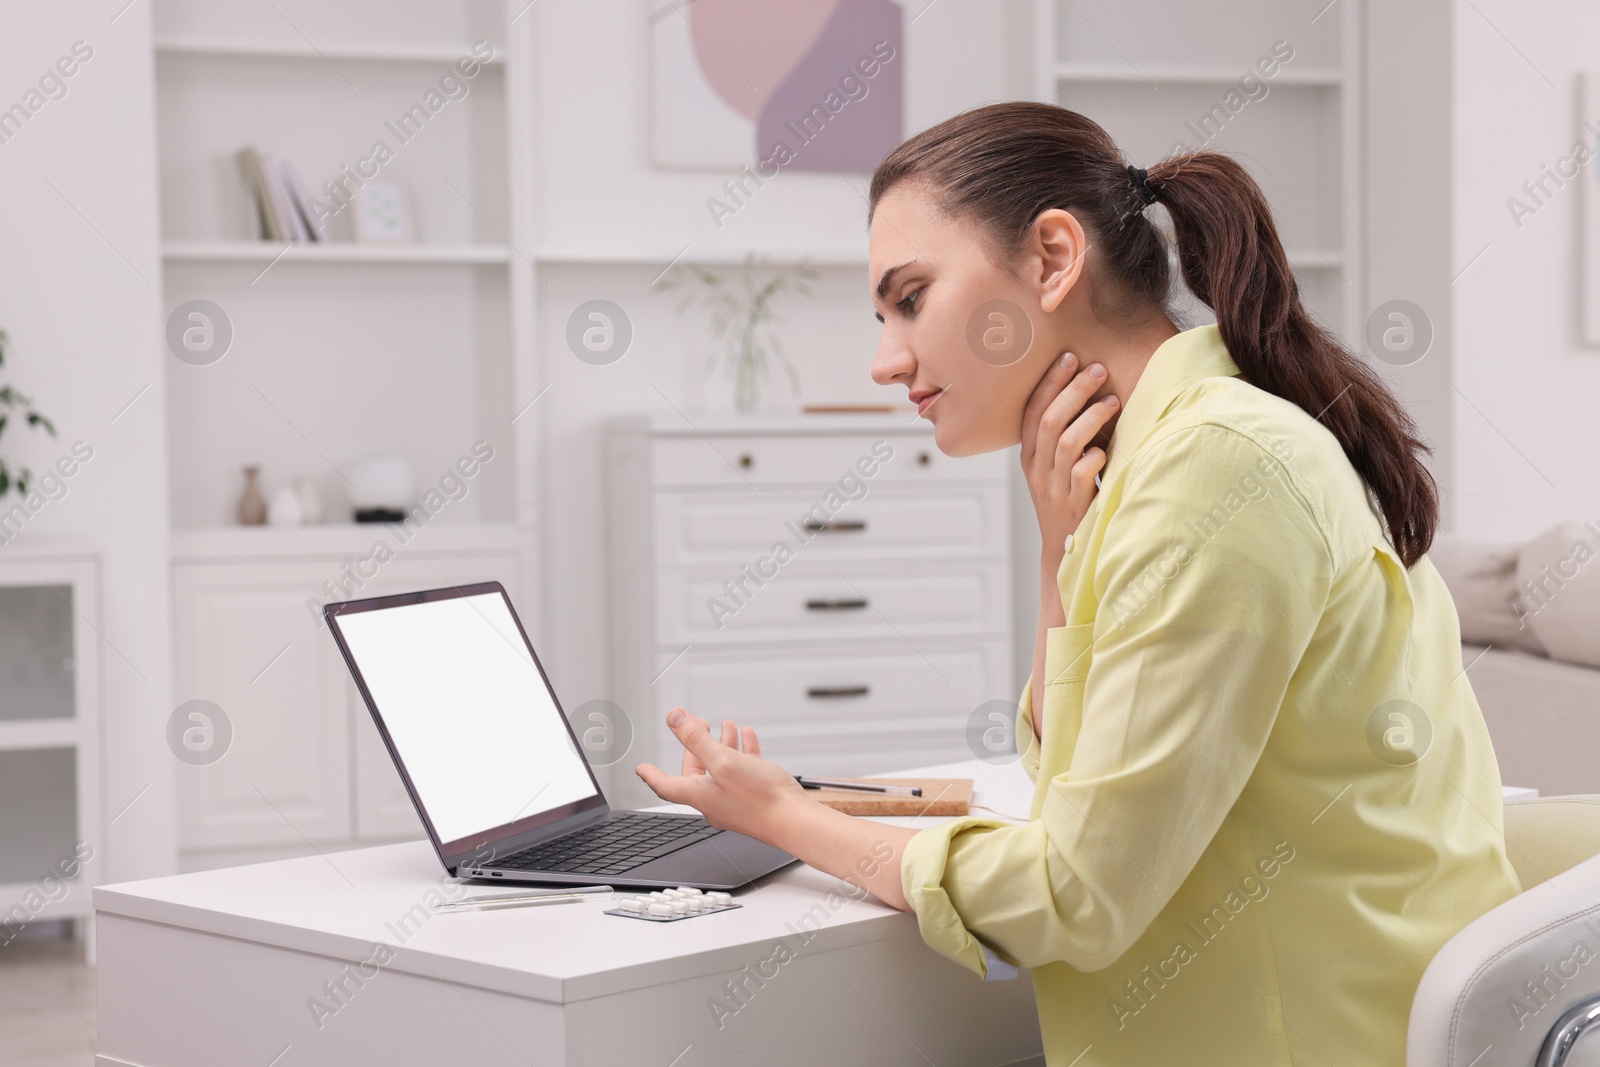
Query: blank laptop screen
[[478, 730]]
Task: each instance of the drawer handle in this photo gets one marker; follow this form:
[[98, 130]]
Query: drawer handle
[[834, 692], [835, 605], [844, 526]]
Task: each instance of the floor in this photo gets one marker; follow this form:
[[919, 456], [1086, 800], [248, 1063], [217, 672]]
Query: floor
[[46, 1004]]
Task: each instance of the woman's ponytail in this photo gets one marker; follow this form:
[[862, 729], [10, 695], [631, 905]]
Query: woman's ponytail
[[1232, 260], [1004, 164]]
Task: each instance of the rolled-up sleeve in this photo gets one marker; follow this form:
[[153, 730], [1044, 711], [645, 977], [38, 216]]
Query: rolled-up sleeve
[[1210, 576]]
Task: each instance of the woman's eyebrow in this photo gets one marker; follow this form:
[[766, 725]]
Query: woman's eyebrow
[[888, 278]]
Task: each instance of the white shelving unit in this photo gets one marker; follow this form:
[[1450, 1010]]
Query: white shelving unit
[[50, 737], [419, 349], [1149, 72], [320, 88]]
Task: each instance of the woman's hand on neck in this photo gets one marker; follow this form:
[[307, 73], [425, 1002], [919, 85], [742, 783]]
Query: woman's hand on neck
[[1124, 352]]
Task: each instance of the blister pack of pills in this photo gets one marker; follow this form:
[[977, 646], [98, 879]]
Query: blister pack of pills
[[670, 905]]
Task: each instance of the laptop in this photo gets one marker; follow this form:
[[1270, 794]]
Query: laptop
[[491, 763]]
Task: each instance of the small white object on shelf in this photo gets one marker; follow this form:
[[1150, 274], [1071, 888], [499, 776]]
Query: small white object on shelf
[[381, 483], [284, 508], [311, 509]]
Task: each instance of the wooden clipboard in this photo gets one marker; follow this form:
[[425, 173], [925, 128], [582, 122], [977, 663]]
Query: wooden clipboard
[[940, 796]]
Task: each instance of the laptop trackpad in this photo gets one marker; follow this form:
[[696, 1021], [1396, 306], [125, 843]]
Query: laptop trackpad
[[725, 861]]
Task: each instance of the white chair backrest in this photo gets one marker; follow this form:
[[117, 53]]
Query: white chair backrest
[[1500, 986]]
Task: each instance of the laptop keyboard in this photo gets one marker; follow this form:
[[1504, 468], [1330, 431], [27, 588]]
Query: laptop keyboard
[[618, 845]]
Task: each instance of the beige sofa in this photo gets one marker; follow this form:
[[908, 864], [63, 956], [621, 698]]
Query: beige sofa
[[1530, 629], [1544, 717]]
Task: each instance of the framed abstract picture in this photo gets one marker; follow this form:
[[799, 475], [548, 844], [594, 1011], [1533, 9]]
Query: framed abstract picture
[[776, 84]]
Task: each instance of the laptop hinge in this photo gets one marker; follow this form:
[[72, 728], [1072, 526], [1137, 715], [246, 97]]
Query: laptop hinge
[[512, 845]]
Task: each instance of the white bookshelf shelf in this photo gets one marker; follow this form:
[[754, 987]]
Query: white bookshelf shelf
[[826, 257], [23, 734], [1302, 260], [1197, 74], [349, 252], [331, 252], [203, 544], [355, 53]]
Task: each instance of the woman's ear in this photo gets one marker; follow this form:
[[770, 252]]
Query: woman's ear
[[1059, 246]]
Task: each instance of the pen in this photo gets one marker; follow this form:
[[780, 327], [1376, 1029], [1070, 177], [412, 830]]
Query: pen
[[860, 787], [532, 898]]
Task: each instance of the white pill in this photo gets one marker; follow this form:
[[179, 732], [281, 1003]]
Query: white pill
[[660, 907], [680, 907], [672, 894], [689, 891], [696, 903], [721, 898], [631, 905], [658, 895]]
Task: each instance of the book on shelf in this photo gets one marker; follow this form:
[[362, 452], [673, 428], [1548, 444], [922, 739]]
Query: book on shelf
[[281, 200]]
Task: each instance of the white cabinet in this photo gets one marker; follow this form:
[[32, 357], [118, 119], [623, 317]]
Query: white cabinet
[[246, 642], [835, 581], [305, 769]]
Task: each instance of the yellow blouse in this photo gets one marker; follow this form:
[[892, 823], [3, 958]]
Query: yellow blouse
[[1265, 795]]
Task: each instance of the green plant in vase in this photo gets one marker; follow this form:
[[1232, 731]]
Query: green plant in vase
[[743, 319], [13, 404]]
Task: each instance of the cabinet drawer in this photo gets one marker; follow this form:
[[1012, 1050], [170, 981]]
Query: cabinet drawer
[[839, 697], [730, 530], [698, 607], [861, 755], [755, 461]]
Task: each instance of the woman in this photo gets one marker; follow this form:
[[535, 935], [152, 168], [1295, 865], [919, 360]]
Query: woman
[[1264, 793]]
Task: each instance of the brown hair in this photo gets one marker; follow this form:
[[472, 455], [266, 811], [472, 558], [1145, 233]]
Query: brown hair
[[1002, 165]]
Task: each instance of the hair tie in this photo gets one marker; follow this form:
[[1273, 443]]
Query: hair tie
[[1141, 182]]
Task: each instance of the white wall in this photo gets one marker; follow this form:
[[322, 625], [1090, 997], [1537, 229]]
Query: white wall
[[79, 294], [1526, 386], [597, 190], [1406, 219]]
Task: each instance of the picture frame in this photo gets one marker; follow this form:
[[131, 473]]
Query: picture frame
[[383, 213]]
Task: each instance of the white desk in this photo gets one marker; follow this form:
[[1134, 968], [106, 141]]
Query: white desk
[[221, 967], [225, 967]]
